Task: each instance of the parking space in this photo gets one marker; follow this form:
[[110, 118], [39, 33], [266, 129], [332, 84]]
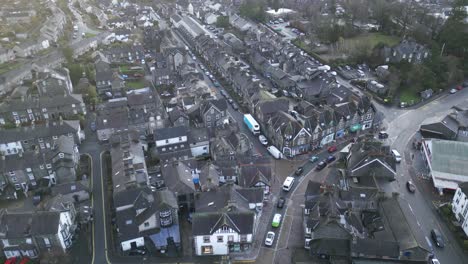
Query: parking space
[[283, 28]]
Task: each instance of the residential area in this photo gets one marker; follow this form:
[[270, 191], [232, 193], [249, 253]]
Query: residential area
[[233, 131]]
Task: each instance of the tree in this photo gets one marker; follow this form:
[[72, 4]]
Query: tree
[[453, 35], [76, 72], [91, 95], [68, 54], [222, 21], [275, 5]]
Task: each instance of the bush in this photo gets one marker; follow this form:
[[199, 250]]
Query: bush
[[465, 244]]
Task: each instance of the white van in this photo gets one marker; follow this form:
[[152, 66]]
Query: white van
[[288, 184], [396, 155]]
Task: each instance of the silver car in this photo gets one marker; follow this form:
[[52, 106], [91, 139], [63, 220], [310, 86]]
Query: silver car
[[270, 237]]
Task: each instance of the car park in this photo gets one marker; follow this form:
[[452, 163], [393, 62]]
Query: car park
[[263, 140], [276, 220], [410, 186], [330, 159], [437, 237], [270, 237], [299, 171], [313, 159], [280, 203], [321, 165]]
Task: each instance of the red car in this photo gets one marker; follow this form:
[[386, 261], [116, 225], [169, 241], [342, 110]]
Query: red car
[[332, 149], [459, 87]]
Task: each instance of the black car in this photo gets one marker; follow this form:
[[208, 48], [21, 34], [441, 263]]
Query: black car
[[331, 158], [321, 165], [299, 171], [280, 202], [437, 237], [383, 135]]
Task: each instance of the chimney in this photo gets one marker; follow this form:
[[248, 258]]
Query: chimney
[[60, 120]]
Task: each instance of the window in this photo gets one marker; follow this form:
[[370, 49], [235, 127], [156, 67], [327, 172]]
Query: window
[[243, 238], [49, 166], [146, 224], [206, 239], [163, 149], [167, 140], [207, 250], [2, 121], [230, 238], [28, 241], [180, 139], [46, 242], [14, 179], [217, 117], [208, 118], [41, 167], [55, 137], [61, 155], [220, 239]]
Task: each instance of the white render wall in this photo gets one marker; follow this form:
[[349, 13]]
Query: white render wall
[[126, 245], [219, 248], [11, 146], [171, 141], [459, 207]]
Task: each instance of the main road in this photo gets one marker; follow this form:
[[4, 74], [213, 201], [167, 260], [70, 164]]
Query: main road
[[401, 128]]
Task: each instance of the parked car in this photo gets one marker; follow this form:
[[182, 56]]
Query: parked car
[[465, 84], [332, 149], [452, 91], [270, 237], [280, 203], [410, 186], [276, 220], [437, 237], [313, 159], [383, 135], [93, 126], [435, 261], [299, 171], [230, 101], [331, 158], [216, 84], [321, 165], [459, 87], [235, 107], [263, 140]]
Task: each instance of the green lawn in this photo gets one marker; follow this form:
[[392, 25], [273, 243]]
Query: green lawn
[[409, 96], [9, 66], [135, 84], [376, 38]]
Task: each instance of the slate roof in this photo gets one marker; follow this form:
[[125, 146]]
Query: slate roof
[[170, 132], [208, 223], [39, 131], [464, 187], [21, 224]]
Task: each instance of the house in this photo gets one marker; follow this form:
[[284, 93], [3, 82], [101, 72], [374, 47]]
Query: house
[[446, 162], [240, 23], [104, 76], [453, 126], [213, 112], [6, 55], [128, 162], [287, 134], [76, 191], [255, 173], [460, 206], [225, 219], [172, 143], [407, 50], [199, 142], [355, 225], [37, 138], [29, 169], [175, 58], [264, 110], [177, 117], [53, 82], [29, 234], [39, 109], [112, 121], [228, 146], [369, 158], [211, 18], [143, 215], [30, 48]]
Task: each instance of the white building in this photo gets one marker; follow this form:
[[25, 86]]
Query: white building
[[446, 161], [460, 206]]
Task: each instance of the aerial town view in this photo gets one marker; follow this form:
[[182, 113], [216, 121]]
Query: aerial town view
[[234, 131]]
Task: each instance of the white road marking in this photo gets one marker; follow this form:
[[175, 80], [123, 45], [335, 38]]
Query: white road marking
[[417, 222], [411, 208]]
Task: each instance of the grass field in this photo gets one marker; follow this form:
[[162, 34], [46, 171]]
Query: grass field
[[409, 96], [135, 84], [376, 38]]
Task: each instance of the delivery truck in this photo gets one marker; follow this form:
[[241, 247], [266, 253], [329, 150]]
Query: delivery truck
[[250, 122]]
